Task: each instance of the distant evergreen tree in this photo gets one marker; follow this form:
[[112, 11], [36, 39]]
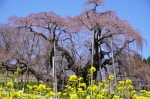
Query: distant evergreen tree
[[144, 60], [147, 61]]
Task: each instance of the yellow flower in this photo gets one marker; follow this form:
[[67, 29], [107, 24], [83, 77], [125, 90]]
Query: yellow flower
[[80, 78], [130, 87], [121, 88], [64, 94], [121, 83], [103, 92], [128, 81], [88, 97], [51, 93], [29, 87], [89, 88], [95, 88], [134, 91], [81, 91], [99, 96], [73, 96], [147, 93], [4, 94], [59, 94], [111, 77], [42, 87], [35, 87], [69, 88], [142, 91], [92, 69], [1, 89], [140, 97], [105, 85], [9, 84], [17, 94], [48, 89], [34, 97], [116, 97], [73, 78], [31, 96], [82, 85], [103, 81], [100, 84]]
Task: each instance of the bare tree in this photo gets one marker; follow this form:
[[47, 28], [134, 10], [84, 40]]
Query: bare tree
[[107, 27]]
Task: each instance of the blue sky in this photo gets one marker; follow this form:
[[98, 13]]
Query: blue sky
[[137, 12]]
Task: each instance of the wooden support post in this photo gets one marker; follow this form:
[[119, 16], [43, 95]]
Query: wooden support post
[[113, 64]]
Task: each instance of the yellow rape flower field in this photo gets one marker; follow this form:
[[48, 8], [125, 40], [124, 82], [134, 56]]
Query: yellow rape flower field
[[78, 89]]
